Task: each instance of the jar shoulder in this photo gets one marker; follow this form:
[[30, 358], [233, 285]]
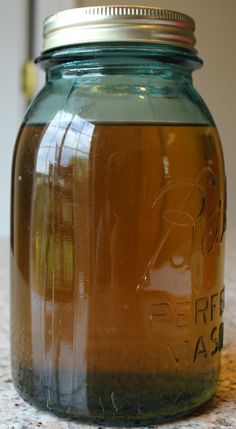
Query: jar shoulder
[[111, 101]]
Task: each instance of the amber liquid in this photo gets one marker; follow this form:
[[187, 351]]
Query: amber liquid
[[117, 269]]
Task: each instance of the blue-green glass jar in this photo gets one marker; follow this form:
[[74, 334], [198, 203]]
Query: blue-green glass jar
[[118, 220]]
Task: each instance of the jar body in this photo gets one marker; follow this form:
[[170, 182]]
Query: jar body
[[117, 249]]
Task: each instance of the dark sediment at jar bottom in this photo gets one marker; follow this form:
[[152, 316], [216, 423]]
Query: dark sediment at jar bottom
[[116, 399]]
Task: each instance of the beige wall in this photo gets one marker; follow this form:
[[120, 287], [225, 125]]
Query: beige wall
[[216, 81], [13, 48]]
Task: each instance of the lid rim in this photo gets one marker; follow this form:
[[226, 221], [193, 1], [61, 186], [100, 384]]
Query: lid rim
[[75, 22]]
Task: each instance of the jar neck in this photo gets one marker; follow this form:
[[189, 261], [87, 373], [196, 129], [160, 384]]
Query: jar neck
[[131, 59]]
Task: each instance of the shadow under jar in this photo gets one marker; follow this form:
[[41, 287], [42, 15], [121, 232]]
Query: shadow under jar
[[118, 219]]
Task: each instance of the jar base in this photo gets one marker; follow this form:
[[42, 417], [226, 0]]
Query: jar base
[[116, 399]]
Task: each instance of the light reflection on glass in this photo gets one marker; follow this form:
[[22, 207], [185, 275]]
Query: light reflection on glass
[[60, 206]]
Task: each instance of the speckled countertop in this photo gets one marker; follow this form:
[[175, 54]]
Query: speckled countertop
[[219, 413]]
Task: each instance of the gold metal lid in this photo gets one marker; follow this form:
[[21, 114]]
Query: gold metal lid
[[116, 24]]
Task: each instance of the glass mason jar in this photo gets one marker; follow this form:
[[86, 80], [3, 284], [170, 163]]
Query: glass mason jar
[[118, 220]]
